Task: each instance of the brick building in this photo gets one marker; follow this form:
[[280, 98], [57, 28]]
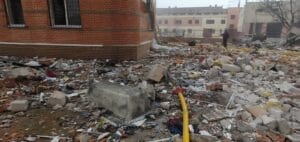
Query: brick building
[[108, 29], [233, 14]]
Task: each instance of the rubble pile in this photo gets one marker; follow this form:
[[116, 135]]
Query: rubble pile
[[232, 94]]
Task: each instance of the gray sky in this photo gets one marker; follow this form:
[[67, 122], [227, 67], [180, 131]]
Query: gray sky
[[197, 3]]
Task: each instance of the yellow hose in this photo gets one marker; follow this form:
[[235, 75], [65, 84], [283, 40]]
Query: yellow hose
[[185, 115]]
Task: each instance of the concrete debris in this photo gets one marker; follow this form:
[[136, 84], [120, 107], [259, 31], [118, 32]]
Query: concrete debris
[[33, 64], [257, 111], [123, 101], [25, 72], [284, 127], [18, 105], [231, 68], [156, 73], [147, 89], [239, 94], [57, 98], [244, 127], [215, 115]]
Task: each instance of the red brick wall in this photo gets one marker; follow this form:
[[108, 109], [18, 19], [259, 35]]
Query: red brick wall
[[105, 22]]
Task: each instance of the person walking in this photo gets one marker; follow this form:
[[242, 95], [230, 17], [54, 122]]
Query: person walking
[[225, 36]]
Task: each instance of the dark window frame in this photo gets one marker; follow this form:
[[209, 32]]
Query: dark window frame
[[223, 21], [166, 21], [210, 21], [178, 22], [232, 17], [9, 15], [67, 24]]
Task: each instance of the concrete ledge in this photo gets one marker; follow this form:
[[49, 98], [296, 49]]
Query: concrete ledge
[[75, 51]]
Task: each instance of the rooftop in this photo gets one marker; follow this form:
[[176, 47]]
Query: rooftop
[[185, 10]]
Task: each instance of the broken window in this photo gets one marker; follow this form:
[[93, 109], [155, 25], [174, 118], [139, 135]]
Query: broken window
[[65, 13], [232, 16], [178, 22], [255, 28], [223, 21], [210, 21], [14, 13], [208, 32], [274, 30], [166, 21]]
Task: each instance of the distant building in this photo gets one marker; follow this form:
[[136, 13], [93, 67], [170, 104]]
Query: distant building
[[192, 22], [254, 21], [107, 29], [233, 15]]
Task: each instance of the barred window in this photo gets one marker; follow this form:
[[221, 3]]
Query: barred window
[[14, 13], [210, 21], [65, 13], [223, 21]]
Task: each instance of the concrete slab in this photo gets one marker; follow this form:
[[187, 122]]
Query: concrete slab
[[125, 102]]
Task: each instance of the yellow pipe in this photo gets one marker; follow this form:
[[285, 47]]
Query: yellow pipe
[[185, 116]]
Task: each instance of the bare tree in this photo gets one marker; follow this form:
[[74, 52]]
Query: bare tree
[[285, 11]]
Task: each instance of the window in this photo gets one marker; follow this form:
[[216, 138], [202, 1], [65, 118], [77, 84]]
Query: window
[[190, 13], [166, 21], [159, 22], [190, 21], [174, 30], [231, 26], [178, 22], [190, 31], [210, 21], [223, 21], [199, 13], [165, 30], [65, 13], [232, 16], [197, 22], [14, 13], [213, 31], [206, 13], [215, 13]]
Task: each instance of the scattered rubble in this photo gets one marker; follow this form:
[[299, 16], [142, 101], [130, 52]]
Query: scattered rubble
[[238, 94]]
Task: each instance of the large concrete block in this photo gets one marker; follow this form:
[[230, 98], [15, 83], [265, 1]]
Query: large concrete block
[[18, 105], [125, 102]]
